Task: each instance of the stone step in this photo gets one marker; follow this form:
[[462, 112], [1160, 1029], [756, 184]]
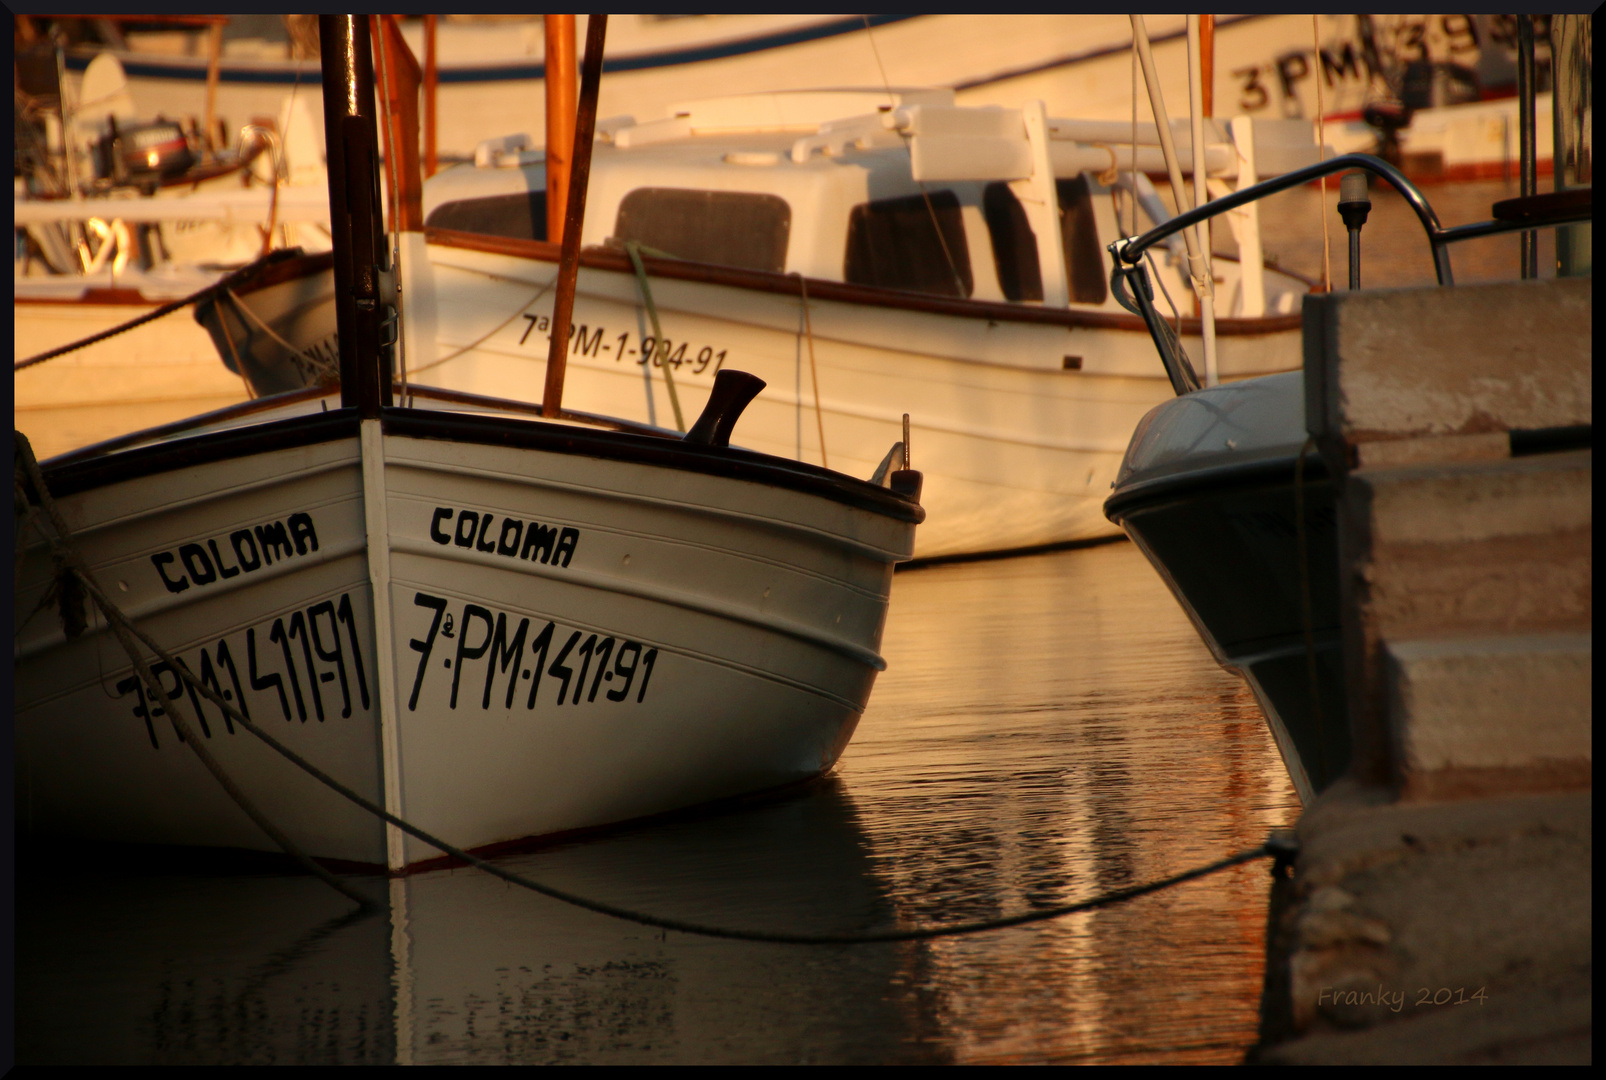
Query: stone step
[[1470, 715], [1401, 364], [1470, 547]]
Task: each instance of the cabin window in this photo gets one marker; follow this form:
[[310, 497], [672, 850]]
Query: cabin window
[[1084, 262], [1014, 244], [915, 243], [521, 216], [727, 228]]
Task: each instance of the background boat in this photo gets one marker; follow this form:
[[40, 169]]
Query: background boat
[[801, 246], [490, 66]]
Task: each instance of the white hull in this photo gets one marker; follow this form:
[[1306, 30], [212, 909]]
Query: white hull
[[734, 625], [491, 73], [158, 373], [1017, 450]]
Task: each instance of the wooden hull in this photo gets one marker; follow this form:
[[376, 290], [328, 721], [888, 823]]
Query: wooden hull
[[571, 629]]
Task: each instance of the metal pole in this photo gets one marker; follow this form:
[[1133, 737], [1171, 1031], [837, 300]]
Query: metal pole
[[574, 217], [1354, 204], [1162, 125], [1206, 287], [354, 226], [1526, 134]]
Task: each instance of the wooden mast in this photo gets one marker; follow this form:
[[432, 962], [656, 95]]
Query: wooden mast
[[560, 118], [354, 208], [431, 77], [574, 216], [399, 79]]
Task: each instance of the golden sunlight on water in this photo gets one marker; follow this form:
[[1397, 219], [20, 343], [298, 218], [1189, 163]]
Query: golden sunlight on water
[[1056, 730], [1049, 728]]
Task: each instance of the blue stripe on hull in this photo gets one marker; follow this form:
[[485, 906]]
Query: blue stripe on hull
[[286, 76]]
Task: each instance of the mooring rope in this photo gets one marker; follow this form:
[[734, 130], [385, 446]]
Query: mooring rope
[[814, 374], [1275, 847], [70, 562], [223, 284], [1307, 615], [660, 347]]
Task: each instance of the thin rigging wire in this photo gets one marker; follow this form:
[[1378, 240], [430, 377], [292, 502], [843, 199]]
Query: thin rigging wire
[[953, 265]]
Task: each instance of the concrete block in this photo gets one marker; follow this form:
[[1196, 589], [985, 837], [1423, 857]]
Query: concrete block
[[1447, 932], [1453, 551], [1390, 453], [1478, 500], [1475, 714], [1408, 363], [1472, 547]]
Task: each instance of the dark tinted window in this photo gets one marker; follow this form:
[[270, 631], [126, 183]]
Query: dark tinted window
[[521, 216], [728, 228], [1014, 244], [911, 243], [1084, 262]]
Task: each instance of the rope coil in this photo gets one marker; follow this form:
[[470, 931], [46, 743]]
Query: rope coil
[[128, 634]]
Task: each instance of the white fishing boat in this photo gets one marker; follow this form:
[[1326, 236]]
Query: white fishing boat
[[850, 248], [494, 627]]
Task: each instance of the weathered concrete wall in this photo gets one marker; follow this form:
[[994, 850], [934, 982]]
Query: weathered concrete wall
[[1412, 396], [1461, 550], [1440, 907], [1395, 364]]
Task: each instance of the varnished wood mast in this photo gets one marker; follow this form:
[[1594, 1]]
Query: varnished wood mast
[[574, 216], [399, 81], [561, 109]]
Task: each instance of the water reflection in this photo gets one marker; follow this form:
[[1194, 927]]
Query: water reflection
[[133, 956], [490, 973], [1084, 741], [1049, 728]]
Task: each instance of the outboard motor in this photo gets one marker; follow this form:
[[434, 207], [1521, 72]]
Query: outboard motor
[[143, 153]]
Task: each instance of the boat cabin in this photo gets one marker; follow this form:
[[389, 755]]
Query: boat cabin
[[899, 190]]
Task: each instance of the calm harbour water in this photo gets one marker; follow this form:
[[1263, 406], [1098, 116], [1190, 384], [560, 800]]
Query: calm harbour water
[[1049, 728]]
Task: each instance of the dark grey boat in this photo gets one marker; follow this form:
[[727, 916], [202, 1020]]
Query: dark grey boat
[[1210, 492], [1230, 501]]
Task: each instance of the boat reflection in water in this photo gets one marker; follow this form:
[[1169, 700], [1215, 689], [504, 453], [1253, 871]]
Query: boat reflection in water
[[489, 973], [1049, 728]]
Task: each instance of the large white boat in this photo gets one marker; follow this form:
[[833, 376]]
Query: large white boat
[[866, 253], [496, 628]]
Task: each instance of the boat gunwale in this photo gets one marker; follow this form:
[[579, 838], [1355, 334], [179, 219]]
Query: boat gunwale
[[727, 462], [821, 289], [79, 473], [1275, 468]]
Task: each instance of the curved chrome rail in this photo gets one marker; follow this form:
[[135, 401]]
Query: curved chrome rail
[[1128, 253]]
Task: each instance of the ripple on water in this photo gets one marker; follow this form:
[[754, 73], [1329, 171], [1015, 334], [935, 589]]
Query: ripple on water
[[1048, 728]]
